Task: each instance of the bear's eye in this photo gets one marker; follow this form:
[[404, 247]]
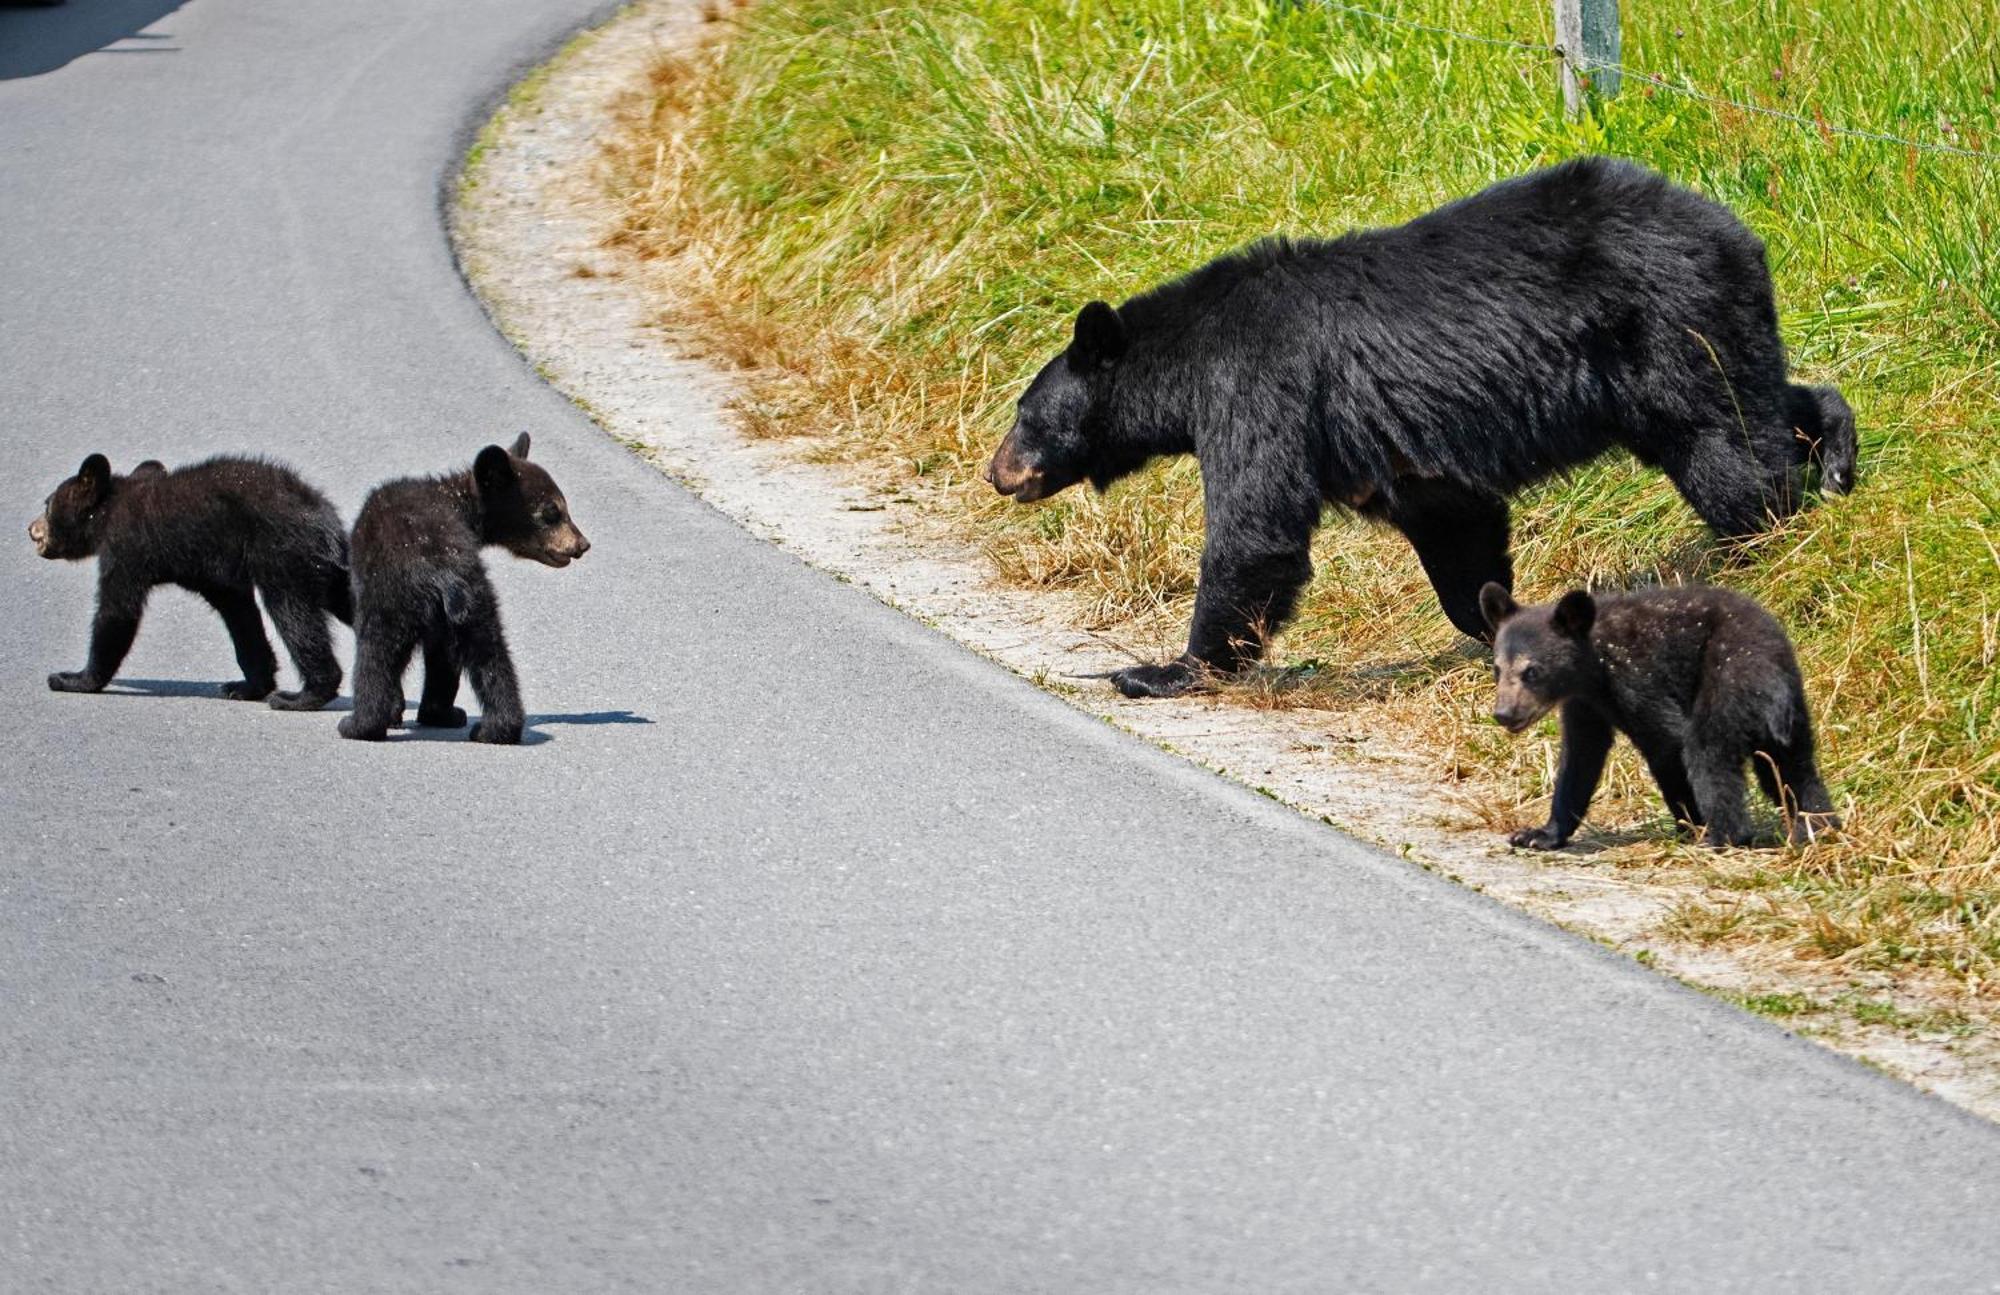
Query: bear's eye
[[549, 515], [1530, 675]]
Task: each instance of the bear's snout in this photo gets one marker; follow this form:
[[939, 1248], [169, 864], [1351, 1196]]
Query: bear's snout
[[38, 531], [1011, 474]]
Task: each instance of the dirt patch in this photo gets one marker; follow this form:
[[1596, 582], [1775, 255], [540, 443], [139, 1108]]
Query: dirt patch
[[530, 227]]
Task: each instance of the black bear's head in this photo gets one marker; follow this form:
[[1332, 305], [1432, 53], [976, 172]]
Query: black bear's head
[[1541, 655], [521, 509], [1049, 448], [72, 522]]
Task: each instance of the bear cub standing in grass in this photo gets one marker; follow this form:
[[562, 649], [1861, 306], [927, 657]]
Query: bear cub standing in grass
[[226, 529], [419, 580], [1700, 679], [1420, 375]]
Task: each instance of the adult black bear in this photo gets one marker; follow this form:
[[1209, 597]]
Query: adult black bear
[[1421, 374], [419, 579], [1700, 679], [222, 529]]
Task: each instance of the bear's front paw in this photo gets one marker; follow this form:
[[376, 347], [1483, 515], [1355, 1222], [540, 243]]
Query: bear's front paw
[[495, 732], [1169, 680], [348, 728], [244, 690], [440, 717], [303, 699], [1537, 838], [74, 681]]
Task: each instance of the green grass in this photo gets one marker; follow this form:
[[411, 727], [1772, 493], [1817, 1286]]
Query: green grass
[[894, 210]]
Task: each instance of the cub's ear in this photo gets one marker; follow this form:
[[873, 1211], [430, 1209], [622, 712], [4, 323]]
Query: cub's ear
[[147, 468], [1100, 337], [1575, 614], [520, 447], [96, 474], [493, 471], [1496, 604]]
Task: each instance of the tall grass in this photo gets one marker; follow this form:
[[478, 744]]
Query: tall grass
[[895, 210]]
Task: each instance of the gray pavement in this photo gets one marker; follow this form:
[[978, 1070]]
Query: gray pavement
[[803, 950]]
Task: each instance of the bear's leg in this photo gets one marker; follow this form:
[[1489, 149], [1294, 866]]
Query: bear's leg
[[381, 654], [436, 709], [301, 622], [1586, 741], [238, 609], [482, 649], [1789, 775], [1460, 535], [120, 604], [1663, 761], [1722, 478], [1715, 771], [1255, 559]]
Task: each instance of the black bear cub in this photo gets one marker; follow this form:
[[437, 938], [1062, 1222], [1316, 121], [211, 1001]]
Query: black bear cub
[[419, 580], [226, 529], [1700, 679]]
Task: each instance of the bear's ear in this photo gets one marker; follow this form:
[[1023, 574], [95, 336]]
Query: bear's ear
[[493, 471], [1100, 337], [147, 468], [95, 474], [520, 447], [1575, 614], [1496, 604]]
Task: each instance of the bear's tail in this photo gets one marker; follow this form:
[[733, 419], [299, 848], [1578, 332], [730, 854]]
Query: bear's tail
[[1826, 421]]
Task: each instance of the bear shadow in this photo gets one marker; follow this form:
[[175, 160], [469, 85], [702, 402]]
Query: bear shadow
[[1316, 682], [531, 734], [123, 687]]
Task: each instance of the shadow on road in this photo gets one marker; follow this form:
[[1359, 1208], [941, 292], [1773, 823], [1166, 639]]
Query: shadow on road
[[38, 38], [209, 691]]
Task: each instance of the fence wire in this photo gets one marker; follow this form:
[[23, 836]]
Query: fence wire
[[1587, 65]]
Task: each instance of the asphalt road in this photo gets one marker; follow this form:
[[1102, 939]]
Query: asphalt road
[[802, 950]]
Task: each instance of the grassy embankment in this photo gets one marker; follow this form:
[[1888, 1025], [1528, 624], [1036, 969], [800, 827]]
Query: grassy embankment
[[893, 211]]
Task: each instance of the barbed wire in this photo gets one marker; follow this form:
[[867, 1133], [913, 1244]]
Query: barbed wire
[[1586, 65]]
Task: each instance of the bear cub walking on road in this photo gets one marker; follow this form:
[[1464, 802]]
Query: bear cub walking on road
[[1700, 679], [225, 529], [419, 580]]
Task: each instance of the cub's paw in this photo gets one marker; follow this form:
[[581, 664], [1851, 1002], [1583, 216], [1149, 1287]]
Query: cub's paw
[[1169, 680], [1809, 827], [304, 699], [350, 729], [1536, 838], [494, 732], [440, 717], [245, 690], [74, 681]]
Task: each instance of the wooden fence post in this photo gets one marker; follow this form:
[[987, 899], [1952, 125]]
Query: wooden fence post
[[1587, 34]]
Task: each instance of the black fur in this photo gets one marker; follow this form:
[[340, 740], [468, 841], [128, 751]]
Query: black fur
[[1700, 679], [419, 580], [1421, 374], [226, 529]]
